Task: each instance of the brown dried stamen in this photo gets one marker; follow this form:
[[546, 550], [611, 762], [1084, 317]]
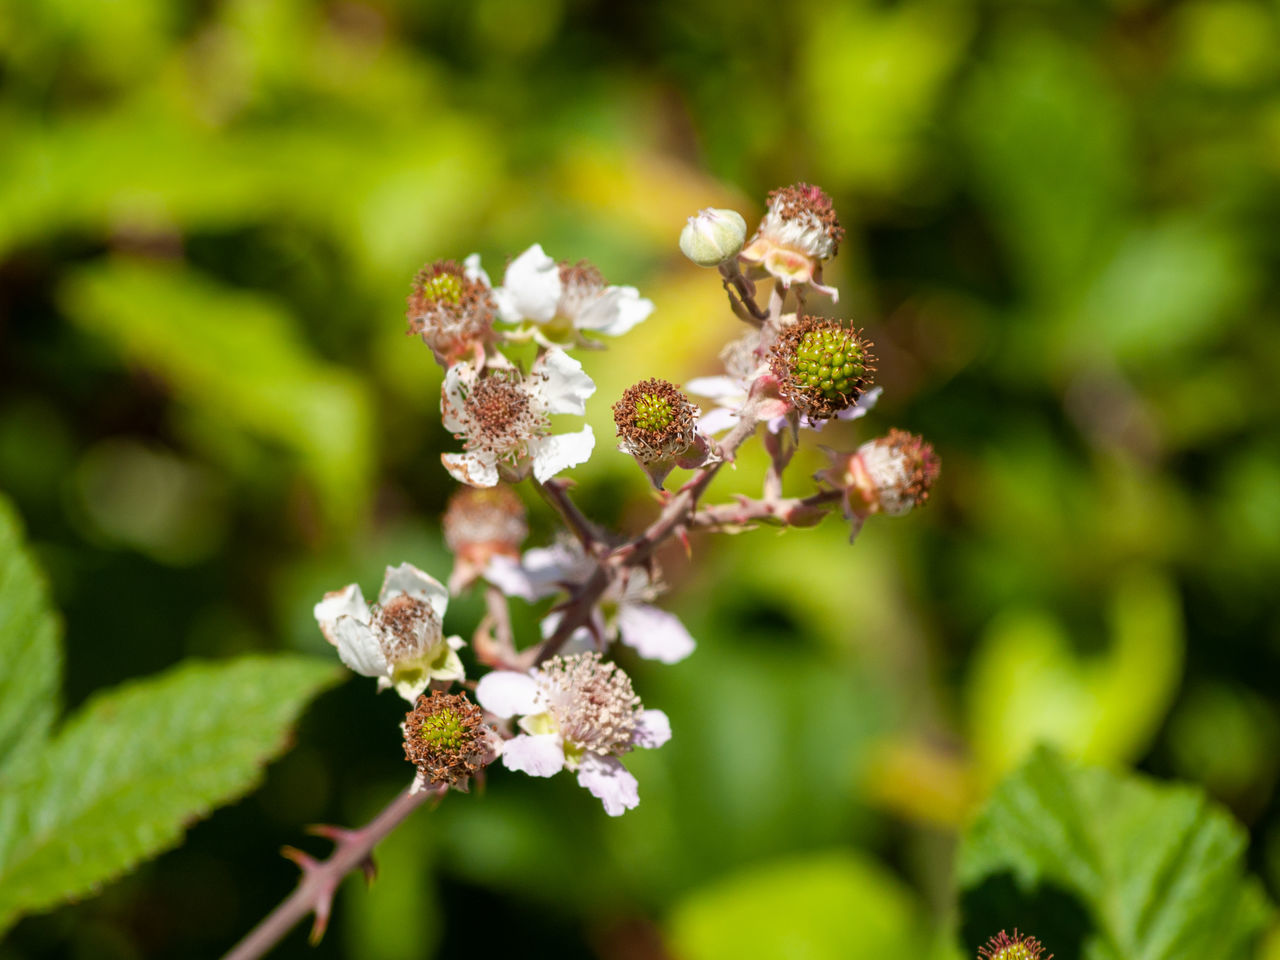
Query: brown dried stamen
[[654, 419], [444, 737], [404, 625], [802, 199], [450, 311], [499, 413]]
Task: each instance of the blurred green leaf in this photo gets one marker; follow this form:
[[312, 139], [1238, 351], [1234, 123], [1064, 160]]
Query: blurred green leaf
[[30, 649], [239, 357], [829, 906], [1108, 867], [135, 766], [1028, 685], [1048, 142]]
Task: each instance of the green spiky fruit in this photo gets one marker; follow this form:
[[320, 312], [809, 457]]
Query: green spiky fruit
[[653, 413], [829, 363]]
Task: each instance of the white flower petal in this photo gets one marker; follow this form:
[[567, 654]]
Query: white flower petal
[[616, 312], [360, 649], [716, 420], [654, 633], [531, 287], [609, 780], [511, 578], [471, 468], [559, 452], [653, 729], [347, 602], [505, 693], [473, 271], [541, 755], [718, 388], [457, 378], [407, 578], [564, 386]]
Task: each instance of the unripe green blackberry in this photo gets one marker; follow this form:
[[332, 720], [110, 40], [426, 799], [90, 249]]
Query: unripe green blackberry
[[654, 421], [823, 367], [1017, 947], [445, 738]]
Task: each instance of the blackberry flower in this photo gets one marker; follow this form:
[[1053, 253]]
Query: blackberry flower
[[799, 231], [503, 415], [1017, 947], [654, 422], [446, 738], [399, 640], [822, 367], [576, 713], [479, 524]]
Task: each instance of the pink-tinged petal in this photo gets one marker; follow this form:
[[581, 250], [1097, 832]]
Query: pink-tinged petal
[[654, 633], [471, 469], [607, 779], [716, 421], [616, 312], [864, 404], [559, 452], [506, 693], [347, 602], [360, 649], [653, 729], [565, 385], [511, 578], [407, 578], [539, 755], [473, 271], [717, 388], [531, 288]]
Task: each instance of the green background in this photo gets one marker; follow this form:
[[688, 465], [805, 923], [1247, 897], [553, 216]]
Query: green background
[[1061, 236]]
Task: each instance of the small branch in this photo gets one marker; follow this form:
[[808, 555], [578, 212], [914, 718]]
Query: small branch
[[314, 893], [556, 493], [792, 512]]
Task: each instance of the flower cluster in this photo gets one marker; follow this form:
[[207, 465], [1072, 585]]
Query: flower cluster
[[556, 701]]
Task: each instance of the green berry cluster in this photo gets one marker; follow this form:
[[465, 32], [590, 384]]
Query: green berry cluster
[[829, 363], [442, 288], [653, 413], [445, 731]]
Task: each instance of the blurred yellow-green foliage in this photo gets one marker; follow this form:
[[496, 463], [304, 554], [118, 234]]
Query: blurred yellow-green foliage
[[1063, 238]]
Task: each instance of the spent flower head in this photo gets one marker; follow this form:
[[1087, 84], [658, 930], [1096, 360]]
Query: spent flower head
[[453, 310], [577, 713], [889, 475], [1017, 947], [446, 738], [799, 231], [502, 417], [399, 640], [822, 367], [655, 421], [481, 523]]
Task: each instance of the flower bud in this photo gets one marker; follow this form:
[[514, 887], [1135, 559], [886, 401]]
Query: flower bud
[[1004, 947], [446, 739], [713, 236], [822, 366]]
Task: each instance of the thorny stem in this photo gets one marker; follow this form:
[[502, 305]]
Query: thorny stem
[[320, 879], [789, 511]]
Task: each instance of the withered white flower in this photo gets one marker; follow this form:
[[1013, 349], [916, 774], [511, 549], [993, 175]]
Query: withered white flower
[[400, 640], [576, 713], [502, 417], [553, 303]]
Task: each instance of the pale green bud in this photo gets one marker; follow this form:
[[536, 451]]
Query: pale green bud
[[713, 236]]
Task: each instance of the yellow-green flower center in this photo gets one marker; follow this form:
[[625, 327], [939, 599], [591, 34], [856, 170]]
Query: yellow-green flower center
[[444, 731], [653, 413], [828, 362], [443, 288]]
